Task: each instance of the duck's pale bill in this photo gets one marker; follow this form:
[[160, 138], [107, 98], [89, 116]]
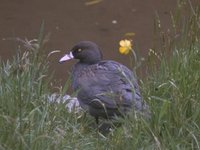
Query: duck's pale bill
[[66, 57]]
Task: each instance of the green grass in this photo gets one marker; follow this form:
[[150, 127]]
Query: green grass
[[172, 89]]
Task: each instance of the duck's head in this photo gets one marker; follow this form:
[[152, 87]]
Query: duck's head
[[85, 51]]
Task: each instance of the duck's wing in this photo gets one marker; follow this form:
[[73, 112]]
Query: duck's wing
[[108, 84]]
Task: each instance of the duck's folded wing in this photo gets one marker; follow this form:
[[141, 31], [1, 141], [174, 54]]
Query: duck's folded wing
[[108, 84]]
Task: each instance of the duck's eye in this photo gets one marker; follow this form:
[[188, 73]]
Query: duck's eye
[[79, 50]]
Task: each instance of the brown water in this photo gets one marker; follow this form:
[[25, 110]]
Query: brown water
[[70, 21]]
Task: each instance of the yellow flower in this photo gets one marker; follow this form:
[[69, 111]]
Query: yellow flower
[[125, 46]]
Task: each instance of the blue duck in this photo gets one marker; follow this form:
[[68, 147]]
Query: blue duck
[[105, 88]]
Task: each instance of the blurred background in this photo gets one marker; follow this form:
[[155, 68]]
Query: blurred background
[[70, 21]]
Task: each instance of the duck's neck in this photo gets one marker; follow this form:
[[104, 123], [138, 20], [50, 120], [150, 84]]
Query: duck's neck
[[76, 71], [89, 62], [79, 66]]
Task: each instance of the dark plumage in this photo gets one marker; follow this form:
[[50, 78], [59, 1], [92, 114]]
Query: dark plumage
[[105, 88]]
